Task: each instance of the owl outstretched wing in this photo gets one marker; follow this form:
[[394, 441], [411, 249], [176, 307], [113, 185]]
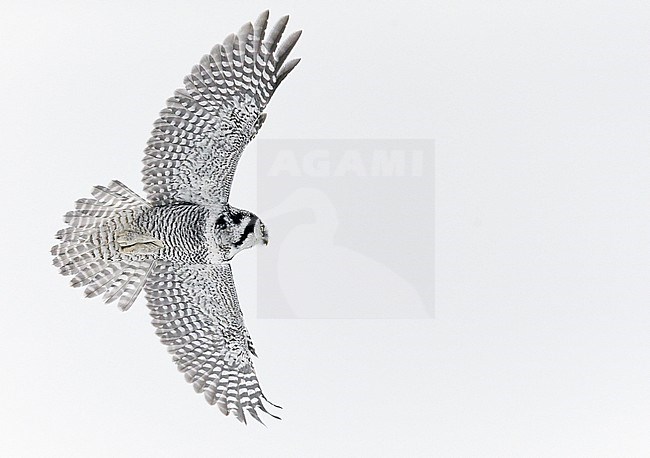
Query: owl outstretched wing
[[197, 141], [197, 315]]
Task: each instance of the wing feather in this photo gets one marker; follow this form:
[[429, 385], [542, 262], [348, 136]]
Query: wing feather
[[197, 141], [196, 313]]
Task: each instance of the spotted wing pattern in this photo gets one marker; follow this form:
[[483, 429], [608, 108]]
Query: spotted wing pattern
[[197, 315], [197, 141]]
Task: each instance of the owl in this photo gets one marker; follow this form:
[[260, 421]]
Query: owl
[[176, 243]]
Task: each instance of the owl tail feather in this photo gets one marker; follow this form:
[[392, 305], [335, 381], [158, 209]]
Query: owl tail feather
[[96, 246]]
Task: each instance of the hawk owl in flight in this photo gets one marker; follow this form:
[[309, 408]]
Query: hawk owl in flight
[[177, 243]]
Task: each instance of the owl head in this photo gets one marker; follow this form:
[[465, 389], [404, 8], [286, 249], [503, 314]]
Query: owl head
[[237, 230]]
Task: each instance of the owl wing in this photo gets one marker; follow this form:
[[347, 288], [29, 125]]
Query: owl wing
[[197, 141], [197, 315]]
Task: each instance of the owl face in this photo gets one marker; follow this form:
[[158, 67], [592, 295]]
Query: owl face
[[237, 230]]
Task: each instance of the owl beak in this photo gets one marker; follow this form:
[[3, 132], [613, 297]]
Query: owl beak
[[265, 237]]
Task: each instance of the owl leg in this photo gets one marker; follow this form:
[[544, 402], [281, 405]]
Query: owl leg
[[135, 243]]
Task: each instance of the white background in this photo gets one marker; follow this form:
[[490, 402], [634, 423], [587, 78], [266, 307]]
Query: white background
[[541, 341]]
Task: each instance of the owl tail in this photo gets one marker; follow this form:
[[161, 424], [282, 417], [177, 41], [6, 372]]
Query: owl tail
[[91, 247]]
